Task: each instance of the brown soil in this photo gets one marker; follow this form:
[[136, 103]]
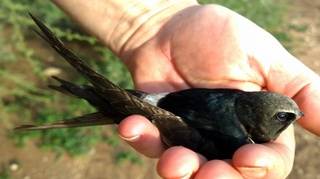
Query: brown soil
[[307, 49], [36, 164]]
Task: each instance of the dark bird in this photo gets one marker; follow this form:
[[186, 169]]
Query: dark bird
[[212, 122]]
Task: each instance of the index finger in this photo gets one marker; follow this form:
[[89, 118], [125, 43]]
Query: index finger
[[287, 75], [303, 85]]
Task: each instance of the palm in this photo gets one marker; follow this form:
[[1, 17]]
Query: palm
[[191, 51]]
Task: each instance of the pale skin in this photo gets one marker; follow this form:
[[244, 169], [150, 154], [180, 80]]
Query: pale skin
[[173, 45]]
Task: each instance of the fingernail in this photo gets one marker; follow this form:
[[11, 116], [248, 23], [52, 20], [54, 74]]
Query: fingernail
[[187, 176], [131, 139], [253, 172]]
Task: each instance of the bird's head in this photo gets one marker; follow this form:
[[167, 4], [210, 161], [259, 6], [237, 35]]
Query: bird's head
[[265, 115]]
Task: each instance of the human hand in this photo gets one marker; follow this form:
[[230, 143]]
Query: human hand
[[210, 46]]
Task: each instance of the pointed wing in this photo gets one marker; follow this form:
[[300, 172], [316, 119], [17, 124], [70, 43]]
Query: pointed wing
[[172, 129], [92, 119], [121, 100]]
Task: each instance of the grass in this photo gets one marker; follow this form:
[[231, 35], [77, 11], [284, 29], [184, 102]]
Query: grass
[[23, 96], [268, 14], [4, 173]]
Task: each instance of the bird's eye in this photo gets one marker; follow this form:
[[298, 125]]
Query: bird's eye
[[282, 116]]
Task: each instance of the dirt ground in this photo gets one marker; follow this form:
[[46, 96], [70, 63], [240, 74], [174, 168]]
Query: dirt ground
[[35, 164], [307, 49]]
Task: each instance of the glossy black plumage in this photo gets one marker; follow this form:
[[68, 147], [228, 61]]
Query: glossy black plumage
[[213, 122]]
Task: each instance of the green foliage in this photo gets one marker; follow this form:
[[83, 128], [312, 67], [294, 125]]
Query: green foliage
[[4, 173], [269, 14], [297, 28], [125, 156]]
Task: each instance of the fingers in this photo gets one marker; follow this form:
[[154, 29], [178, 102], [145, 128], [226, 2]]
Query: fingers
[[289, 76], [305, 90], [218, 169], [270, 160], [142, 135], [252, 161], [308, 100], [179, 162]]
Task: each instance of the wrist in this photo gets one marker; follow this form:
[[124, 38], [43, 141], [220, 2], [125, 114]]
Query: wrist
[[122, 25]]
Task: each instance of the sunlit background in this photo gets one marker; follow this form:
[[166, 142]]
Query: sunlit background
[[27, 62]]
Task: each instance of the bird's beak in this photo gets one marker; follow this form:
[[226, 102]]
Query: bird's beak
[[301, 114]]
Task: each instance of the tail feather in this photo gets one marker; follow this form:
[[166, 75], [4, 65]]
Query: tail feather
[[66, 87], [85, 92], [62, 90]]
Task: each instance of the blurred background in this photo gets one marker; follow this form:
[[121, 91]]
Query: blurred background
[[27, 62]]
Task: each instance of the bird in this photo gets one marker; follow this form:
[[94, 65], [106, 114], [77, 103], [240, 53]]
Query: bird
[[212, 122]]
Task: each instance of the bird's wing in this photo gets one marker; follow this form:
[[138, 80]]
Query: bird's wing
[[92, 119], [123, 101], [173, 129]]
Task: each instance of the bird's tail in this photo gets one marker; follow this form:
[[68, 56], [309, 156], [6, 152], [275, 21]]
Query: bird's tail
[[84, 92]]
